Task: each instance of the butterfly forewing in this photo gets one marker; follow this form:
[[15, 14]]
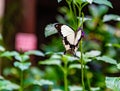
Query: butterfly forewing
[[68, 34], [66, 31]]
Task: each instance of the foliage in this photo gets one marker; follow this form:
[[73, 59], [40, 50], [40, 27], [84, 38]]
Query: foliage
[[91, 68], [57, 59], [7, 85], [99, 36], [113, 83], [43, 82], [22, 64]]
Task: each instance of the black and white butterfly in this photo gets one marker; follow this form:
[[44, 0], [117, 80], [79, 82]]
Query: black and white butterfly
[[70, 38]]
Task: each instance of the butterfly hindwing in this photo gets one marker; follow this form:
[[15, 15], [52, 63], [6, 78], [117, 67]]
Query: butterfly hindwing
[[78, 37]]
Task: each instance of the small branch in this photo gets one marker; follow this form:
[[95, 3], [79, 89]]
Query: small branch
[[82, 67], [65, 76], [21, 81]]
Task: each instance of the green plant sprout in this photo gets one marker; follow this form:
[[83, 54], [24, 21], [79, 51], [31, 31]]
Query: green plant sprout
[[7, 85], [23, 64], [57, 59]]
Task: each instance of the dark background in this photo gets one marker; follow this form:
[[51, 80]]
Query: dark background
[[39, 13], [48, 9]]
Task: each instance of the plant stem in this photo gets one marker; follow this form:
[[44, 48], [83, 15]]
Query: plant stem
[[72, 16], [88, 81], [82, 67], [21, 81], [0, 67], [75, 16], [65, 77]]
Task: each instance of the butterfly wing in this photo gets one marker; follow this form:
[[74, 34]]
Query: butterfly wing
[[71, 39], [78, 36], [67, 34]]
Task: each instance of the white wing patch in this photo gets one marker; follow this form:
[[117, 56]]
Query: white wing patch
[[65, 30], [69, 33], [77, 37], [67, 47]]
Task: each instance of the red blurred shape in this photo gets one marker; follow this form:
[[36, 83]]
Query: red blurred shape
[[25, 42]]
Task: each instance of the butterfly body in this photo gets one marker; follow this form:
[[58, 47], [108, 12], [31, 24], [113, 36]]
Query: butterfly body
[[70, 38]]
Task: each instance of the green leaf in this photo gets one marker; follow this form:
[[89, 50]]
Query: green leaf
[[110, 17], [104, 2], [5, 54], [51, 53], [7, 85], [69, 1], [78, 66], [94, 10], [1, 37], [22, 66], [69, 58], [51, 62], [89, 1], [84, 19], [18, 57], [11, 71], [95, 88], [14, 53], [2, 48], [75, 88], [97, 11], [78, 54], [113, 45], [86, 59], [50, 30], [9, 54], [57, 89], [107, 59], [22, 58], [92, 53], [1, 78], [34, 52], [59, 1], [55, 56], [77, 1], [60, 19], [118, 66], [113, 83], [102, 9], [43, 82]]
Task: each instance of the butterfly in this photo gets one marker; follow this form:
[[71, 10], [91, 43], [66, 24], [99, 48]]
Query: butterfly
[[70, 38]]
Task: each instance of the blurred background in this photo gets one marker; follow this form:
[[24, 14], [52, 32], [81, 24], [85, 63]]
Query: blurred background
[[22, 16], [22, 25]]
